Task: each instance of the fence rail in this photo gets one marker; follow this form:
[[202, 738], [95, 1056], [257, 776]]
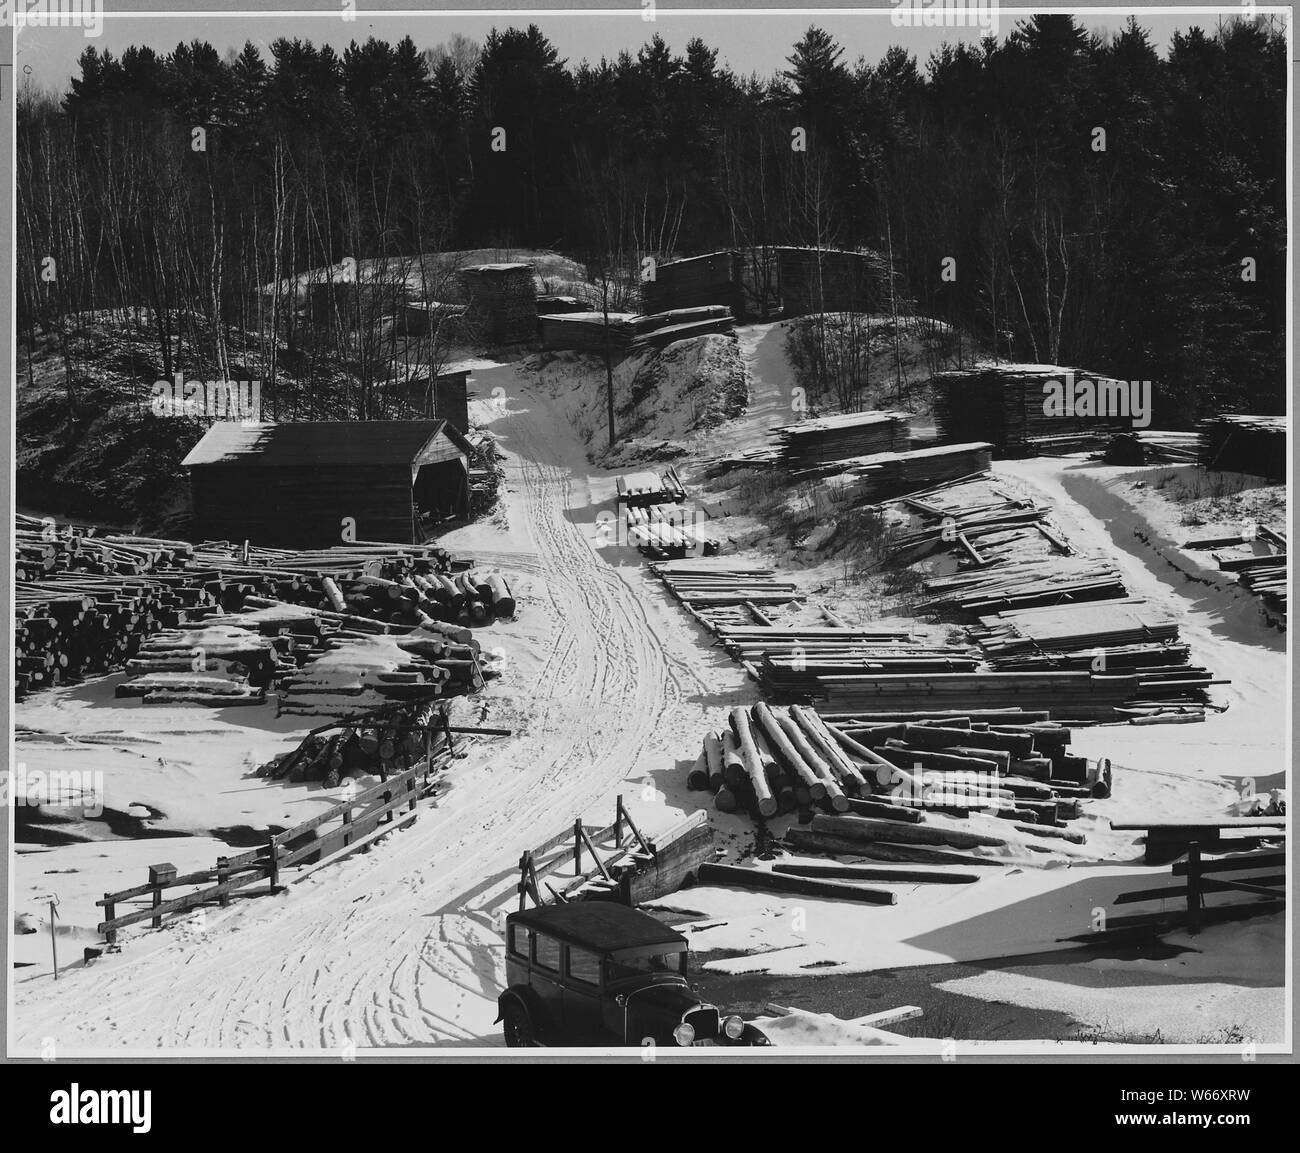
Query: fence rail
[[361, 819]]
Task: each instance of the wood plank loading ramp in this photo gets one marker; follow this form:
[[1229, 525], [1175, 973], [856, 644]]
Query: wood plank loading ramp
[[614, 861]]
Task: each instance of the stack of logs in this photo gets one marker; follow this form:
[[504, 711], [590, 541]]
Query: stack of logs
[[85, 601], [874, 779], [367, 672], [378, 743]]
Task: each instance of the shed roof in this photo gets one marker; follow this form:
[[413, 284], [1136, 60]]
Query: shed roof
[[600, 925], [335, 442]]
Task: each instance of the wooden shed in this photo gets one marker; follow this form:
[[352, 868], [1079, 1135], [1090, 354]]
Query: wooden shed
[[295, 485]]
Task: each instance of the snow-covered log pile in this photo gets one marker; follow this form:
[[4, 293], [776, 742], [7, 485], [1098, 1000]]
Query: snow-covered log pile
[[880, 775]]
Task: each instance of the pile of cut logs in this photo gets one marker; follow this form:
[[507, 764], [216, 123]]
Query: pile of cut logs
[[379, 742], [366, 672], [218, 664], [875, 779], [88, 599]]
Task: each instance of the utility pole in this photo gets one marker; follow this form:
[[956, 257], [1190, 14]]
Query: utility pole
[[609, 362]]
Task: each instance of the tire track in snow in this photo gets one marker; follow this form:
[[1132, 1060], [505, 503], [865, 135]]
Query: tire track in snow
[[398, 947]]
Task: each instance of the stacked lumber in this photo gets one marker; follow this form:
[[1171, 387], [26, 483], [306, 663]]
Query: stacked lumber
[[1025, 584], [1149, 446], [379, 743], [502, 302], [587, 332], [713, 278], [662, 328], [810, 443], [1076, 696], [664, 532], [697, 585], [645, 488], [1260, 562], [1004, 404], [886, 777], [1250, 444], [891, 474]]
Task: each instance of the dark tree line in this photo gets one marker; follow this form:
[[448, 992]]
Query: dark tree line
[[1060, 197]]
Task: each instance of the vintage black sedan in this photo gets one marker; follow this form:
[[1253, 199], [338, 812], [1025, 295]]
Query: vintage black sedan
[[601, 973]]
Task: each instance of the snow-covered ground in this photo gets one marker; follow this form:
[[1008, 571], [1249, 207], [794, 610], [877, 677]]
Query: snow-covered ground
[[608, 687]]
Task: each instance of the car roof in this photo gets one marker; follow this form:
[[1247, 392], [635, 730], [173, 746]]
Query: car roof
[[601, 925]]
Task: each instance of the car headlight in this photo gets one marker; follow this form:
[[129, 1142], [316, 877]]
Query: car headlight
[[684, 1034], [734, 1028]]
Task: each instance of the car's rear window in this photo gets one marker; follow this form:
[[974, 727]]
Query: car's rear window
[[674, 962], [519, 940], [584, 966], [548, 952]]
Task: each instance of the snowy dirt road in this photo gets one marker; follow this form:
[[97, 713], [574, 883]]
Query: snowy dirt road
[[605, 688]]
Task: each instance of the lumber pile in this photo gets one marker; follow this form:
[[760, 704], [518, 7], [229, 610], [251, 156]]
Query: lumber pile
[[1251, 444], [892, 474], [1025, 584], [663, 532], [586, 332], [1260, 562], [881, 780], [661, 328], [810, 443], [379, 742], [1077, 696], [1004, 405], [502, 301], [713, 278], [705, 586], [645, 488], [1150, 446]]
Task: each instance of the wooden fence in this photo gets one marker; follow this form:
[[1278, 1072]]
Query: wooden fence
[[1201, 871], [359, 820]]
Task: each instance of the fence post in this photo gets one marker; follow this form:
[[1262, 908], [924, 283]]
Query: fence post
[[223, 875], [618, 819], [110, 913], [156, 921], [347, 826], [273, 863], [410, 790], [1194, 887], [577, 844]]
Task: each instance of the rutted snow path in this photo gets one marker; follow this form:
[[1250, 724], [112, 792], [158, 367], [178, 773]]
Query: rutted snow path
[[401, 946]]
